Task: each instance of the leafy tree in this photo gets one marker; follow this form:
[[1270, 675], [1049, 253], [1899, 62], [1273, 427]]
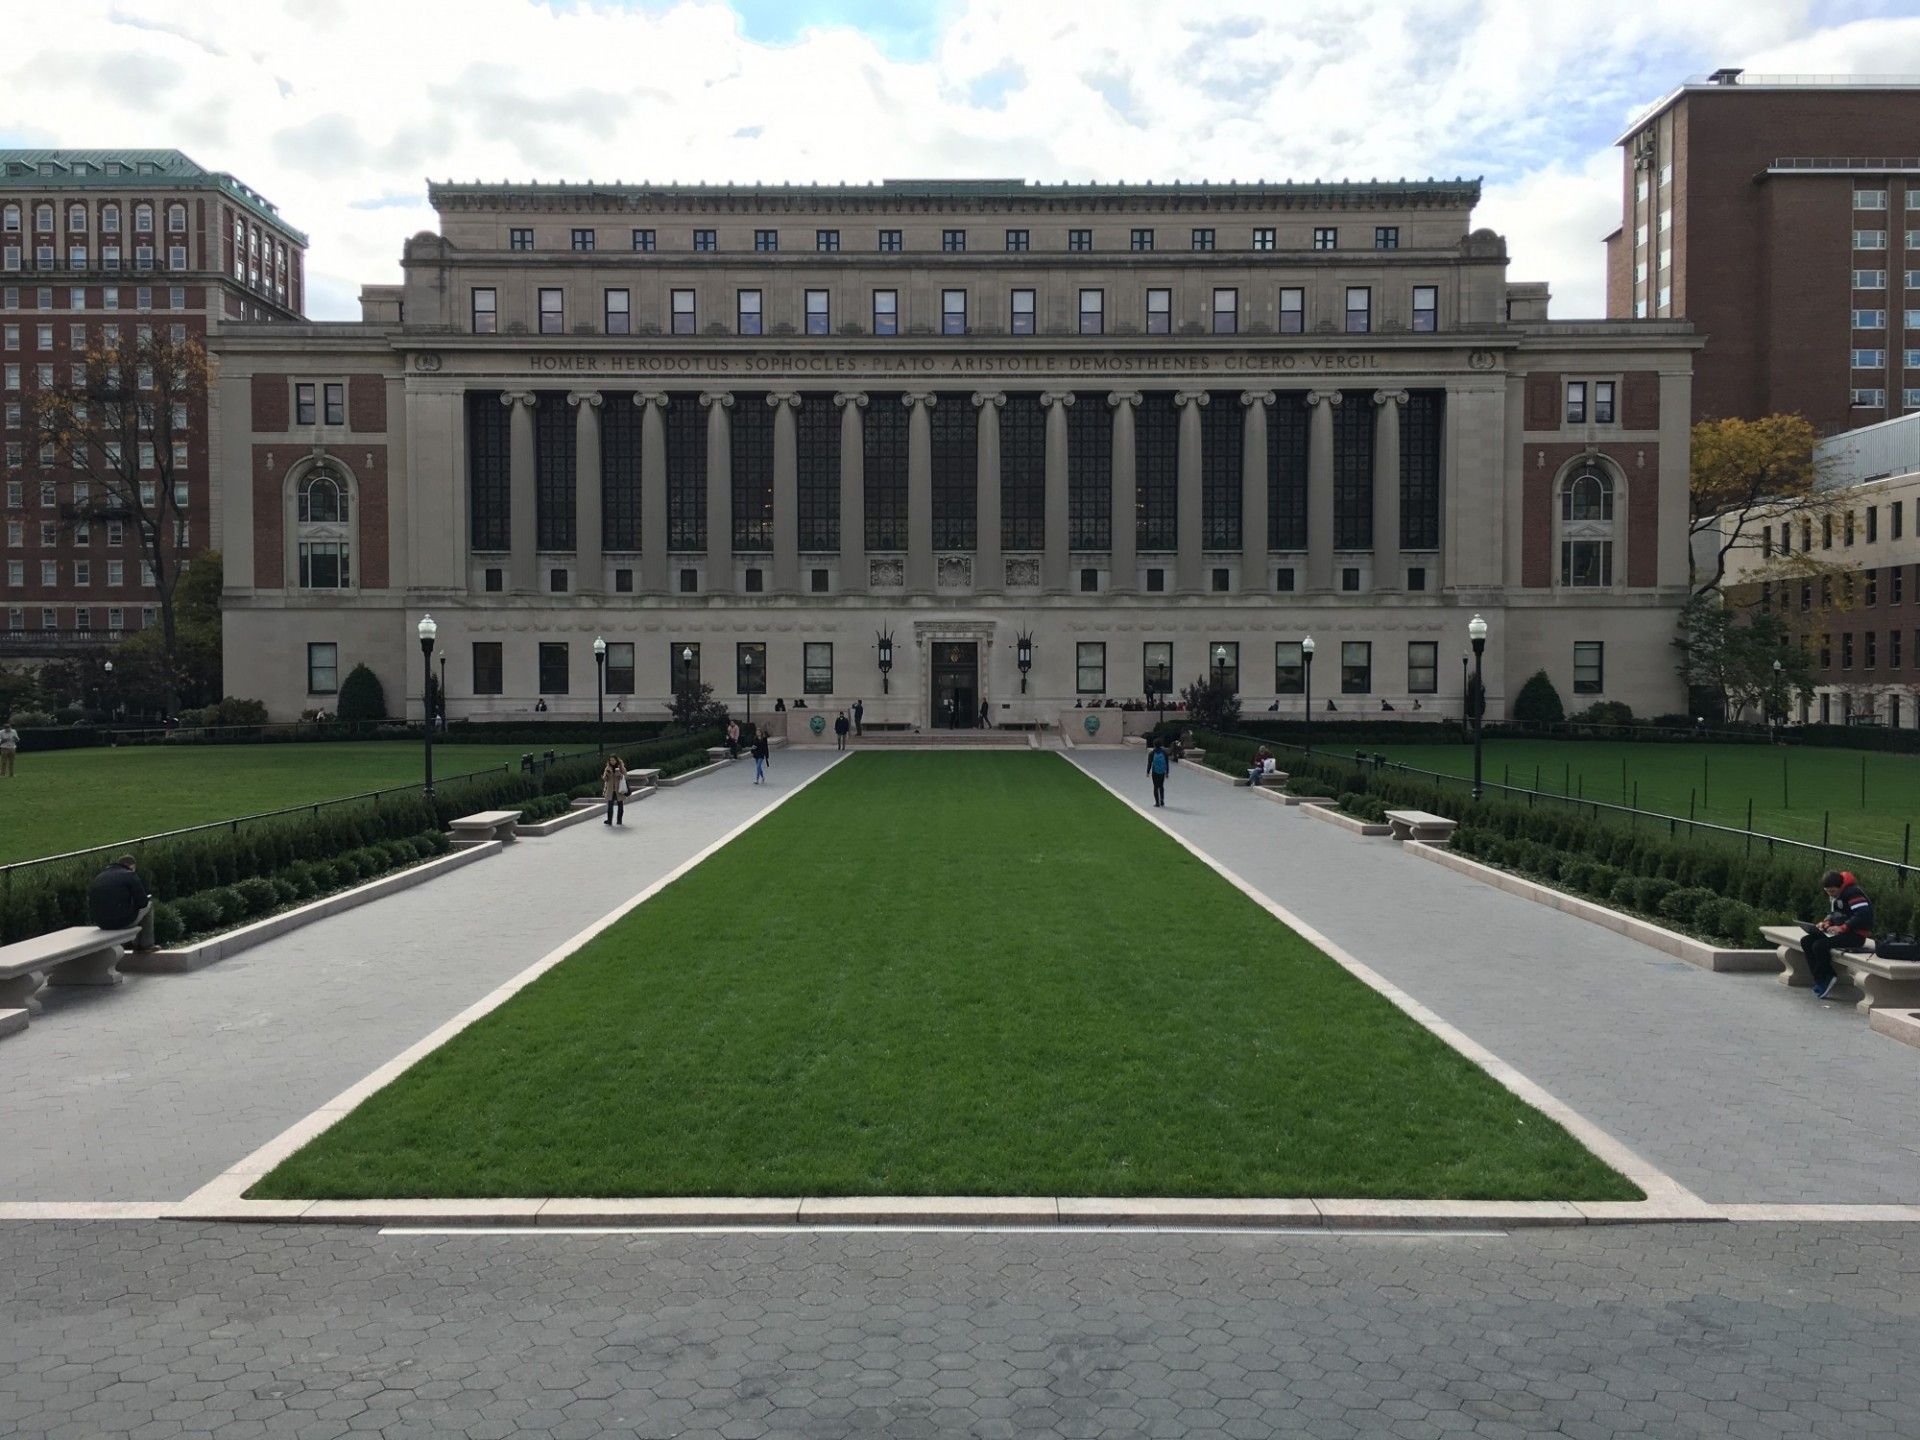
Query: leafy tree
[[1211, 703], [694, 708], [1732, 657], [111, 431], [1538, 703], [1745, 475], [361, 696], [141, 669]]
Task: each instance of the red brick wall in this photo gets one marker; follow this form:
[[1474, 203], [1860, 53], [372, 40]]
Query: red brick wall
[[1543, 402], [1543, 464], [1806, 297], [269, 517], [270, 410], [270, 466], [370, 465], [1643, 515], [1640, 400], [366, 404]]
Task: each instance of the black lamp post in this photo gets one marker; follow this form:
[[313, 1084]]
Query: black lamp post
[[442, 696], [1776, 702], [600, 692], [1306, 655], [1023, 657], [426, 630], [885, 641], [1477, 699]]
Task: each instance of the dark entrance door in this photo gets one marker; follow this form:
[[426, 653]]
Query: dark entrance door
[[956, 685]]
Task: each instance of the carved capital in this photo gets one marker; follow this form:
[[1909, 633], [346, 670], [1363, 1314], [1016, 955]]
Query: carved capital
[[1062, 398], [1256, 397], [1129, 398], [711, 398], [844, 398], [584, 397], [1191, 397], [789, 398], [996, 398], [920, 397], [1389, 397], [511, 398], [1328, 398], [644, 398]]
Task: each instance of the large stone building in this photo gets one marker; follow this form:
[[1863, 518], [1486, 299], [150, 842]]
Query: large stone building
[[1781, 215], [775, 435], [97, 243]]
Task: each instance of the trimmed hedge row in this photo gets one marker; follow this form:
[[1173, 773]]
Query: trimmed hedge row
[[49, 897]]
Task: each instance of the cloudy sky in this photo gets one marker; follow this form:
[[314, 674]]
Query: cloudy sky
[[340, 110]]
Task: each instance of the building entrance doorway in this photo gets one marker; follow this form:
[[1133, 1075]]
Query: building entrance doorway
[[956, 685]]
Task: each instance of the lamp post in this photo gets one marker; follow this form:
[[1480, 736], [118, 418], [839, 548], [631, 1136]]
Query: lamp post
[[1776, 702], [442, 696], [1306, 655], [1477, 632], [885, 644], [600, 692], [426, 630], [1023, 657]]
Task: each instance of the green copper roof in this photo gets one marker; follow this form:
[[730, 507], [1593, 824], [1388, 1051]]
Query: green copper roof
[[157, 169]]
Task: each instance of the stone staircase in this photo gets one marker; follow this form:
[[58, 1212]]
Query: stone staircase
[[947, 740]]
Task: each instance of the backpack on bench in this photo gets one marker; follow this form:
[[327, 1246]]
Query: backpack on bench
[[1897, 947]]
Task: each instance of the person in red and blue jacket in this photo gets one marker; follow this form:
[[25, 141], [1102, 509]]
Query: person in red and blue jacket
[[1848, 926]]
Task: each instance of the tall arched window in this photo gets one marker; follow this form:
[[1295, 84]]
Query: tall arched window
[[110, 219], [143, 217], [10, 218], [76, 217], [323, 537], [43, 217], [177, 218], [1586, 529]]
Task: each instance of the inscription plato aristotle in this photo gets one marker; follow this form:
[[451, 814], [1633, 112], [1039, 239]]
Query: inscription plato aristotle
[[1278, 362]]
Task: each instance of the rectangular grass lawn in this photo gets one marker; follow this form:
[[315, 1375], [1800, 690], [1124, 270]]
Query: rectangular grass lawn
[[947, 974]]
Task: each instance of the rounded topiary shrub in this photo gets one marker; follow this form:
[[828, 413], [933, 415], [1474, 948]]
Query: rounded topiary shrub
[[258, 895], [168, 927], [1600, 881], [198, 914], [1650, 890], [361, 696], [1538, 703], [1730, 920], [233, 905], [285, 892], [1626, 891], [1683, 906]]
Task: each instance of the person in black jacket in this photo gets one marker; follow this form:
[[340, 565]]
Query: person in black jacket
[[1848, 926], [762, 752], [118, 899], [840, 728]]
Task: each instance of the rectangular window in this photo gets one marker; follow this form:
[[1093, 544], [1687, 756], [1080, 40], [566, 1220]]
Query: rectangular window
[[1896, 584], [1016, 240], [553, 312], [1589, 667], [582, 239], [1141, 239], [335, 400], [553, 667], [619, 317], [1289, 668], [819, 314], [1263, 238], [953, 311], [1576, 402], [1090, 668], [643, 239], [953, 241], [1159, 312], [1089, 580], [486, 311], [683, 317], [1226, 311], [1423, 667], [557, 580], [489, 673], [324, 565], [1426, 307], [1293, 311], [1359, 309], [1869, 199], [1873, 523], [1899, 513], [1356, 667], [1869, 279], [1869, 359], [1203, 239], [749, 312], [1386, 237], [1846, 651], [1020, 317], [520, 239], [889, 240], [1079, 239], [1092, 312], [1867, 399], [1156, 667], [766, 241], [705, 240], [620, 668], [1603, 402], [886, 312], [1874, 319], [826, 241], [750, 667], [1156, 580], [323, 669], [305, 400], [1869, 239], [817, 675], [1326, 237]]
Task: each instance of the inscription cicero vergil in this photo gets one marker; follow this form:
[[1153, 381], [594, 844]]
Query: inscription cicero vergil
[[1278, 362]]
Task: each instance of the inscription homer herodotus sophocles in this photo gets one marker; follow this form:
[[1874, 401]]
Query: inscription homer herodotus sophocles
[[1278, 362]]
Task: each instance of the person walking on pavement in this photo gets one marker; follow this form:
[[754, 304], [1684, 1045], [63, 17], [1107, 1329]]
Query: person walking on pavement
[[1848, 926], [733, 739], [840, 728], [118, 899], [983, 714], [613, 785], [9, 744], [762, 756], [1157, 766], [858, 710]]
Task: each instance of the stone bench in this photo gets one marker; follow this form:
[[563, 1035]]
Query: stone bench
[[1272, 779], [78, 955], [1419, 825], [1878, 982], [1786, 940], [485, 825], [638, 778]]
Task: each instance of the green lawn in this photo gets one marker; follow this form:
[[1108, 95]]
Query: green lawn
[[947, 974], [70, 799], [1719, 778]]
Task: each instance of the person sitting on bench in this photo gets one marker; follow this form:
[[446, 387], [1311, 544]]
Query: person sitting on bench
[[1848, 926], [1262, 763], [118, 899]]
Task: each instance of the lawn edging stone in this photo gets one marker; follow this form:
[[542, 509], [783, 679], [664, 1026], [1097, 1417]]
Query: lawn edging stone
[[685, 775], [1902, 1025], [184, 959], [1346, 822], [1722, 960]]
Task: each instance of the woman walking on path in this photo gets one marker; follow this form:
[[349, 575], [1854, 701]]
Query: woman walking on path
[[733, 739], [1157, 767], [613, 785], [762, 753]]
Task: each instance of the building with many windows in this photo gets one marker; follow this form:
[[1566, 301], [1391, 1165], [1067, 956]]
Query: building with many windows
[[94, 245], [956, 448], [1781, 215]]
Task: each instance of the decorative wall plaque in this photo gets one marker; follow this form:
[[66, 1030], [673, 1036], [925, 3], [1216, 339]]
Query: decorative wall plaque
[[1023, 570], [954, 572], [886, 574]]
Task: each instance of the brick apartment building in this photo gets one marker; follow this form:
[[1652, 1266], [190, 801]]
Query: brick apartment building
[[1781, 215], [94, 242]]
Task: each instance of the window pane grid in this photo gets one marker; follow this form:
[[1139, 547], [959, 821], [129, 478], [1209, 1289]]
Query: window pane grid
[[489, 472], [751, 458], [1353, 473], [620, 476], [1023, 473], [1156, 450], [954, 435], [884, 456], [554, 489], [686, 472], [817, 459], [1420, 470], [1287, 473], [1222, 441], [1089, 473]]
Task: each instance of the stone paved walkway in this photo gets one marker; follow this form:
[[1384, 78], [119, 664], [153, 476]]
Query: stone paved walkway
[[149, 1090], [1741, 1091], [1750, 1331]]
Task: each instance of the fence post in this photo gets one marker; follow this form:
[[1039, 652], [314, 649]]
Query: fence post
[[1623, 777], [1826, 832], [1692, 795], [1749, 825], [1785, 803], [1906, 846], [1566, 779], [1706, 777], [1863, 779]]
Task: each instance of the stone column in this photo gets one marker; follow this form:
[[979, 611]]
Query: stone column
[[1388, 573], [1320, 405], [523, 564], [719, 492], [589, 571], [1190, 562], [786, 494], [853, 494], [1125, 555], [920, 490], [1055, 559], [653, 492], [989, 568], [1253, 493]]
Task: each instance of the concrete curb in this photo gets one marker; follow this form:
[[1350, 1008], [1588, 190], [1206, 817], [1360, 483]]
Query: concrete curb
[[1346, 822], [1902, 1025], [669, 781], [1669, 942], [184, 959]]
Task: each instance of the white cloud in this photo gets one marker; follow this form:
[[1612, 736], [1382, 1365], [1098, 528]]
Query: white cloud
[[340, 111]]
